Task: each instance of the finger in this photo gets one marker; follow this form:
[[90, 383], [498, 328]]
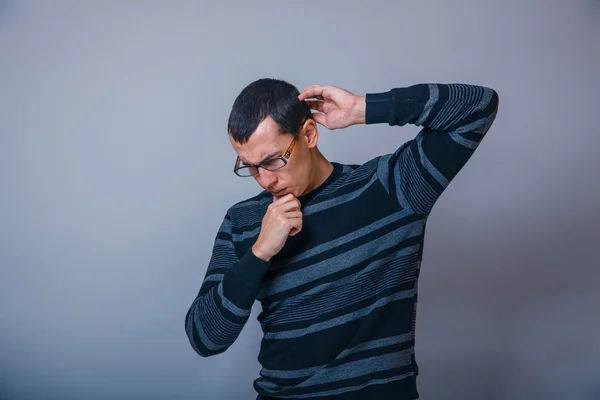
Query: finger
[[293, 214], [312, 92], [278, 201], [321, 119], [317, 98], [315, 105], [283, 199], [287, 202], [289, 206], [309, 87], [296, 226], [296, 223]]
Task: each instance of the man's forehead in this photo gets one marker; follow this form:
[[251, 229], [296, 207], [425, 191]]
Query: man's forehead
[[256, 154], [264, 142]]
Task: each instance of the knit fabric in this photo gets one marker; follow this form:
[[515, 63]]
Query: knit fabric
[[339, 300]]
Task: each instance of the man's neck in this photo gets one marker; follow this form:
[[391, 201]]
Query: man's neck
[[322, 168]]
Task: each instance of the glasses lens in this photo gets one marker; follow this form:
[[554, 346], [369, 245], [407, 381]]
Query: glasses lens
[[273, 164], [246, 171]]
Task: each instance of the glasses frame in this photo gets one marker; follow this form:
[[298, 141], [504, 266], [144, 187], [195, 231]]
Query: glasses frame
[[286, 156]]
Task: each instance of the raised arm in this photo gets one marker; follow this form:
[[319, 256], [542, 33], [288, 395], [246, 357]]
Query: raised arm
[[455, 118]]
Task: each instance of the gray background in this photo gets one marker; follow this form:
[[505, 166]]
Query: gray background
[[115, 173]]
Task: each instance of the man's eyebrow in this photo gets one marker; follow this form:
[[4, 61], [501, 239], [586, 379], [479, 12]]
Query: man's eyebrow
[[271, 155]]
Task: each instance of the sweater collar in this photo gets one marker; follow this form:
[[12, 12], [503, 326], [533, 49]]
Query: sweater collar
[[333, 176]]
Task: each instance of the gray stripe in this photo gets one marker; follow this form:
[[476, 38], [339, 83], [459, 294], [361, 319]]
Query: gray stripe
[[364, 285], [291, 374], [215, 277], [342, 319], [469, 96], [471, 127], [297, 300], [485, 99], [488, 123], [209, 344], [324, 205], [223, 258], [423, 194], [383, 171], [357, 175], [398, 171], [434, 95], [219, 329], [350, 236], [220, 260], [363, 171], [225, 226], [249, 212], [226, 243], [249, 220], [189, 329], [230, 306], [347, 168], [304, 372], [374, 344], [443, 115], [418, 192], [350, 175], [464, 142], [456, 105], [245, 235], [239, 207], [348, 388], [437, 175], [349, 370], [361, 367], [344, 260]]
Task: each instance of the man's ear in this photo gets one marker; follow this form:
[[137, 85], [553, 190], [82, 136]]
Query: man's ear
[[311, 133]]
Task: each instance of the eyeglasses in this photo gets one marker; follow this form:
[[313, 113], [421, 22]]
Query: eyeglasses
[[272, 164]]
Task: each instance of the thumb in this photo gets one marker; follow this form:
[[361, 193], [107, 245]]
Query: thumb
[[321, 119]]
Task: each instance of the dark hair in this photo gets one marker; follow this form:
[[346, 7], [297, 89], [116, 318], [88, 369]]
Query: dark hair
[[267, 98]]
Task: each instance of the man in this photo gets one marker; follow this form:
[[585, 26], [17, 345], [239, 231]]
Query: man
[[332, 251]]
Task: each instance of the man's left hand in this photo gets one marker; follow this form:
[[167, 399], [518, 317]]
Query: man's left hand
[[337, 108]]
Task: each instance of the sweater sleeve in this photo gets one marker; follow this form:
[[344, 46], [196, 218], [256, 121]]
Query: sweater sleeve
[[454, 117], [224, 302]]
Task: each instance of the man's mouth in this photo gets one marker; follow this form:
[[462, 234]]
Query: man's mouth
[[279, 193]]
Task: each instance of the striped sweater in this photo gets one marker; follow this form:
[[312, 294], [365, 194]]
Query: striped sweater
[[339, 300]]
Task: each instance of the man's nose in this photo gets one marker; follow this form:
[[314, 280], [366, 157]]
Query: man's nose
[[266, 178]]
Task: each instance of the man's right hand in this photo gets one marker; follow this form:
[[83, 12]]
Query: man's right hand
[[282, 219]]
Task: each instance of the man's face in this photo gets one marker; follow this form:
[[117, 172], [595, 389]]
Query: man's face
[[266, 143]]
